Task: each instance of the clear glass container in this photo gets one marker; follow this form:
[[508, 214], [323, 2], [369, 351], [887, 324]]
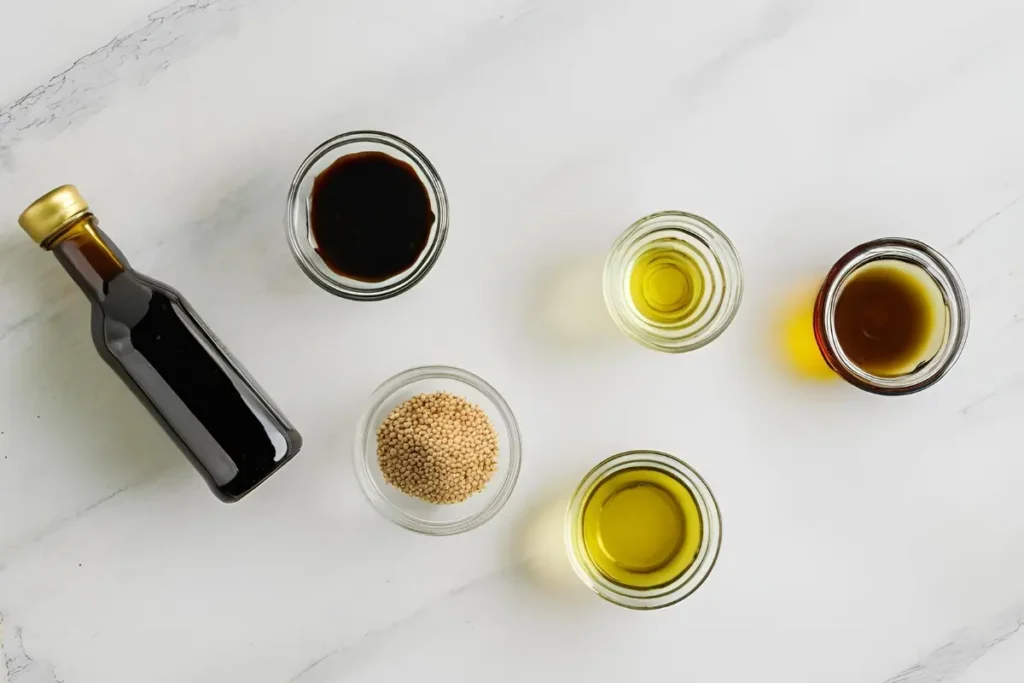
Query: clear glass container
[[303, 243], [419, 515], [955, 315], [716, 263], [678, 587]]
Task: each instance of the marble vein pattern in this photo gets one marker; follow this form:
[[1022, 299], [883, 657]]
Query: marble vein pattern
[[132, 57]]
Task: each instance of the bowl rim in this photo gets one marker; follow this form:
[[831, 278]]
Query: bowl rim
[[397, 515]]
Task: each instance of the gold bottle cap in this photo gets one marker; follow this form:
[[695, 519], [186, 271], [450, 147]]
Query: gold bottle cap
[[52, 211]]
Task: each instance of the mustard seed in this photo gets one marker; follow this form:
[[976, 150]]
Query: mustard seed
[[437, 447]]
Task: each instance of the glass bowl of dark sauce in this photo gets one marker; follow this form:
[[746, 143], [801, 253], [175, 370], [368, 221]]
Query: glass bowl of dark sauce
[[367, 215]]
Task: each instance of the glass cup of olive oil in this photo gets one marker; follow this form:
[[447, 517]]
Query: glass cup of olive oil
[[891, 316], [643, 530], [673, 281]]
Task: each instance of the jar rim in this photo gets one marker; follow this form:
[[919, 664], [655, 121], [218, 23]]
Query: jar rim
[[296, 220], [954, 295]]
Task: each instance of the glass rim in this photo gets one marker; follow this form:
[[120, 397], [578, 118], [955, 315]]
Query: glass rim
[[696, 231], [340, 285], [682, 586], [945, 277], [364, 429]]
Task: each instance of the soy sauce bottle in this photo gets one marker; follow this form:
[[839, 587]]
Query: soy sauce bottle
[[146, 331]]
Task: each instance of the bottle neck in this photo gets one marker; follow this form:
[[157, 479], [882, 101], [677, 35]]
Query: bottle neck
[[89, 256]]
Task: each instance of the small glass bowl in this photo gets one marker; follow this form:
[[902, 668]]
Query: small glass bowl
[[719, 264], [301, 239], [416, 514], [956, 318], [684, 584]]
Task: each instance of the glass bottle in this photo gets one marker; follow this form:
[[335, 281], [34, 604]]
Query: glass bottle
[[146, 331]]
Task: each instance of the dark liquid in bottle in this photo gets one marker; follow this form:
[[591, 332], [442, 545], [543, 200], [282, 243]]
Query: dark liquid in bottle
[[165, 354], [370, 216], [886, 319], [238, 447]]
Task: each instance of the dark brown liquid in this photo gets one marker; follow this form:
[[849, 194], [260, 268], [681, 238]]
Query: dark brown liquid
[[159, 347], [885, 320], [370, 216]]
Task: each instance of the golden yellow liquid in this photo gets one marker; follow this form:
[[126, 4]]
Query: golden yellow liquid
[[641, 527], [799, 348], [666, 285]]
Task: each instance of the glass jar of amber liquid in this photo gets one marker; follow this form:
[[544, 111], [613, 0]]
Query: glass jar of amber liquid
[[643, 530], [673, 282], [891, 316]]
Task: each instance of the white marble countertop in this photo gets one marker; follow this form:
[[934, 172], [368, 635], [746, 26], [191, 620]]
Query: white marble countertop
[[866, 540]]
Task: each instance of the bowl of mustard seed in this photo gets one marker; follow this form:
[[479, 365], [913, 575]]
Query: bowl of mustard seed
[[438, 450]]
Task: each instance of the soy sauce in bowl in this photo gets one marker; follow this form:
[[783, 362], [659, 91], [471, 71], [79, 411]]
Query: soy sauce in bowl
[[370, 216], [366, 216]]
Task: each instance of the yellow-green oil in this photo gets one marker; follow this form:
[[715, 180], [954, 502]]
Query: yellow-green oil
[[666, 285], [641, 527]]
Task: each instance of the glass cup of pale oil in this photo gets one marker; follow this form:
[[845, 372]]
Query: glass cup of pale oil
[[673, 281], [643, 530], [891, 316]]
